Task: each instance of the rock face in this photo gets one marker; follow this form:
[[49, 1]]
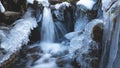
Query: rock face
[[111, 37]]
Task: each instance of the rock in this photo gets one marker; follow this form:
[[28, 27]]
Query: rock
[[7, 62], [11, 13], [14, 5], [9, 17], [97, 33]]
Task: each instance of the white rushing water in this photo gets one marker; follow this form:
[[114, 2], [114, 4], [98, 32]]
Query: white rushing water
[[47, 29], [49, 32]]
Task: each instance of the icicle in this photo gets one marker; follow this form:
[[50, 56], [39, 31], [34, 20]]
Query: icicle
[[2, 9]]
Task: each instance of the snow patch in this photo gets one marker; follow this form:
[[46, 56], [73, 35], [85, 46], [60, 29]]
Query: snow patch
[[87, 3], [57, 6]]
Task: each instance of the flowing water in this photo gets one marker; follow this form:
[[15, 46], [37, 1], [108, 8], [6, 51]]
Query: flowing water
[[48, 27]]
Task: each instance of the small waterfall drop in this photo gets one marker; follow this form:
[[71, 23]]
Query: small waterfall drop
[[47, 29], [50, 32]]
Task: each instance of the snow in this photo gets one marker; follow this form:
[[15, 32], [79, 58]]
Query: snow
[[2, 9], [43, 2], [57, 6], [87, 3]]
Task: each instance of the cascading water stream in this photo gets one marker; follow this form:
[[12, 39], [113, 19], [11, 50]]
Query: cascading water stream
[[47, 29], [49, 32]]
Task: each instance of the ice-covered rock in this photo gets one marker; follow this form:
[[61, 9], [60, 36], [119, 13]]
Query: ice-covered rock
[[18, 36], [82, 45]]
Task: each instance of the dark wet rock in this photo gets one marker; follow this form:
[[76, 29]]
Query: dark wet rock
[[9, 61], [60, 1], [98, 33], [27, 56], [35, 35], [9, 17], [56, 1], [14, 5], [14, 10], [62, 61]]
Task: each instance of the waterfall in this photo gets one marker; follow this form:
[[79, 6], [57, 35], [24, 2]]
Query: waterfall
[[47, 29], [51, 31]]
